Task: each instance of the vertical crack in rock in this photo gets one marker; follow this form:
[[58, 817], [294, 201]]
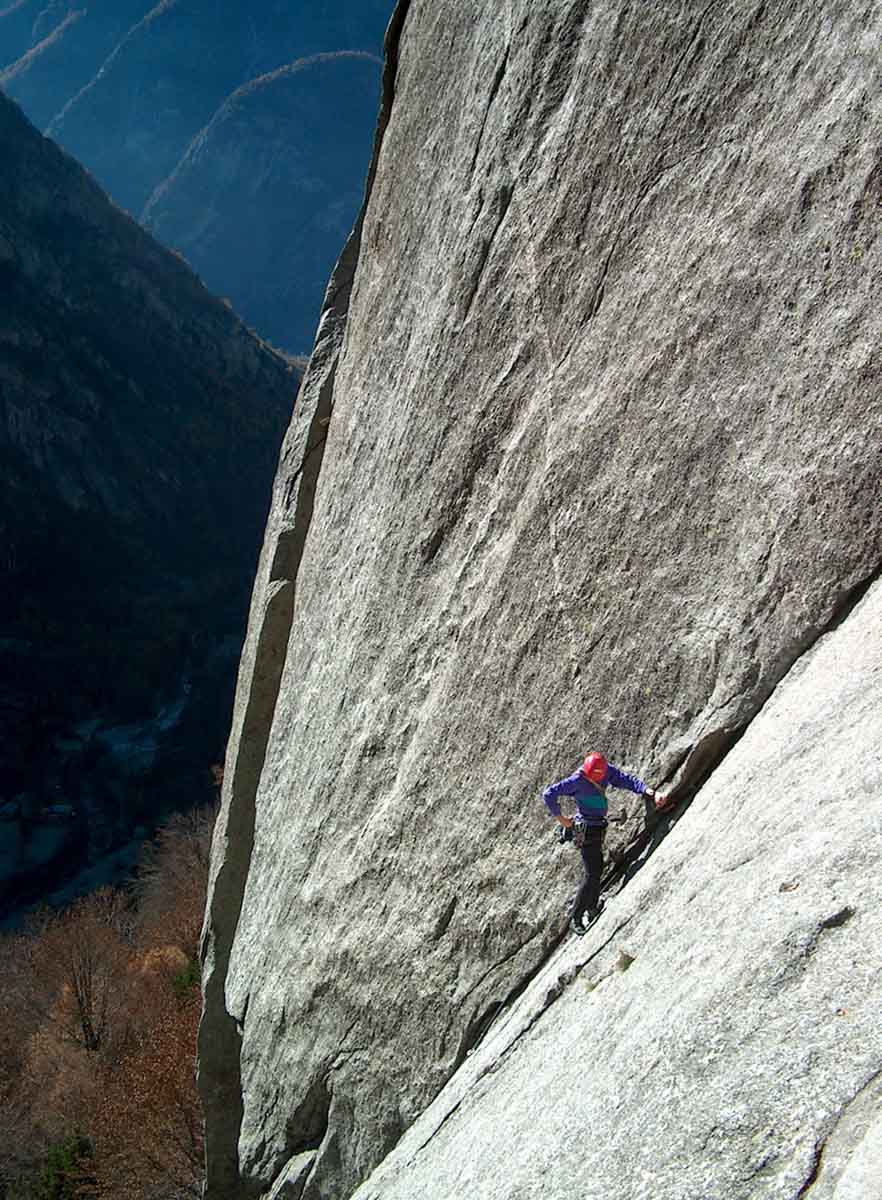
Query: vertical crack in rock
[[308, 1126], [846, 1129], [261, 672], [502, 202], [814, 1169], [219, 1033], [494, 90], [444, 919], [473, 1033]]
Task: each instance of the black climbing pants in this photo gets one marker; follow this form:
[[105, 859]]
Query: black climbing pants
[[592, 857]]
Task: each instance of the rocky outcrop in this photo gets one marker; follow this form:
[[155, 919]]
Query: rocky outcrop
[[266, 195], [600, 457], [139, 428]]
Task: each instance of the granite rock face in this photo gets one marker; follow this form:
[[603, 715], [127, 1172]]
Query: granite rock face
[[588, 458], [139, 429], [716, 1035]]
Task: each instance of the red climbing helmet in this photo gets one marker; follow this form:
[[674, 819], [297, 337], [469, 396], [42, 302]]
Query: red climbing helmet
[[595, 767]]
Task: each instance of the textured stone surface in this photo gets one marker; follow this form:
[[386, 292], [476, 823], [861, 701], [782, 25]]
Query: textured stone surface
[[290, 1184], [602, 463], [850, 1166], [862, 1174], [139, 430], [738, 1056]]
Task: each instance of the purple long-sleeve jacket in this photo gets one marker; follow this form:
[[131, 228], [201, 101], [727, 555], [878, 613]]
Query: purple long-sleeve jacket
[[591, 797]]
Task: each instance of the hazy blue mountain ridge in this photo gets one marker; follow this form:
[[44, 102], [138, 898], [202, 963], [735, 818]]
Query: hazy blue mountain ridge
[[60, 50], [267, 187], [132, 89]]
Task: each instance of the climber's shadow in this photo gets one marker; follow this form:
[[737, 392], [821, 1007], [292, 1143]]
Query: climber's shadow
[[656, 827]]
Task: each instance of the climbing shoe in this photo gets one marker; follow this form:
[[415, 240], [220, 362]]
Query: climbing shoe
[[577, 927]]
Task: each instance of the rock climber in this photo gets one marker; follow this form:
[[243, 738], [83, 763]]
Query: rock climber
[[588, 787]]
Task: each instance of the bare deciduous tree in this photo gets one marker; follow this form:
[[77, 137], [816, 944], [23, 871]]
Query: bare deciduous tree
[[75, 963]]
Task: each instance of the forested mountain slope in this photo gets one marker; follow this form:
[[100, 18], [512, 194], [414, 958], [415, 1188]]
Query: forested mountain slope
[[139, 428]]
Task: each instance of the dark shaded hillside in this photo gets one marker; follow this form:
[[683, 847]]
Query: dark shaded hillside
[[265, 196], [139, 428]]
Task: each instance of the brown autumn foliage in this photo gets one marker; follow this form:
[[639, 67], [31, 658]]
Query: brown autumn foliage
[[146, 1120], [172, 879], [99, 1007]]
